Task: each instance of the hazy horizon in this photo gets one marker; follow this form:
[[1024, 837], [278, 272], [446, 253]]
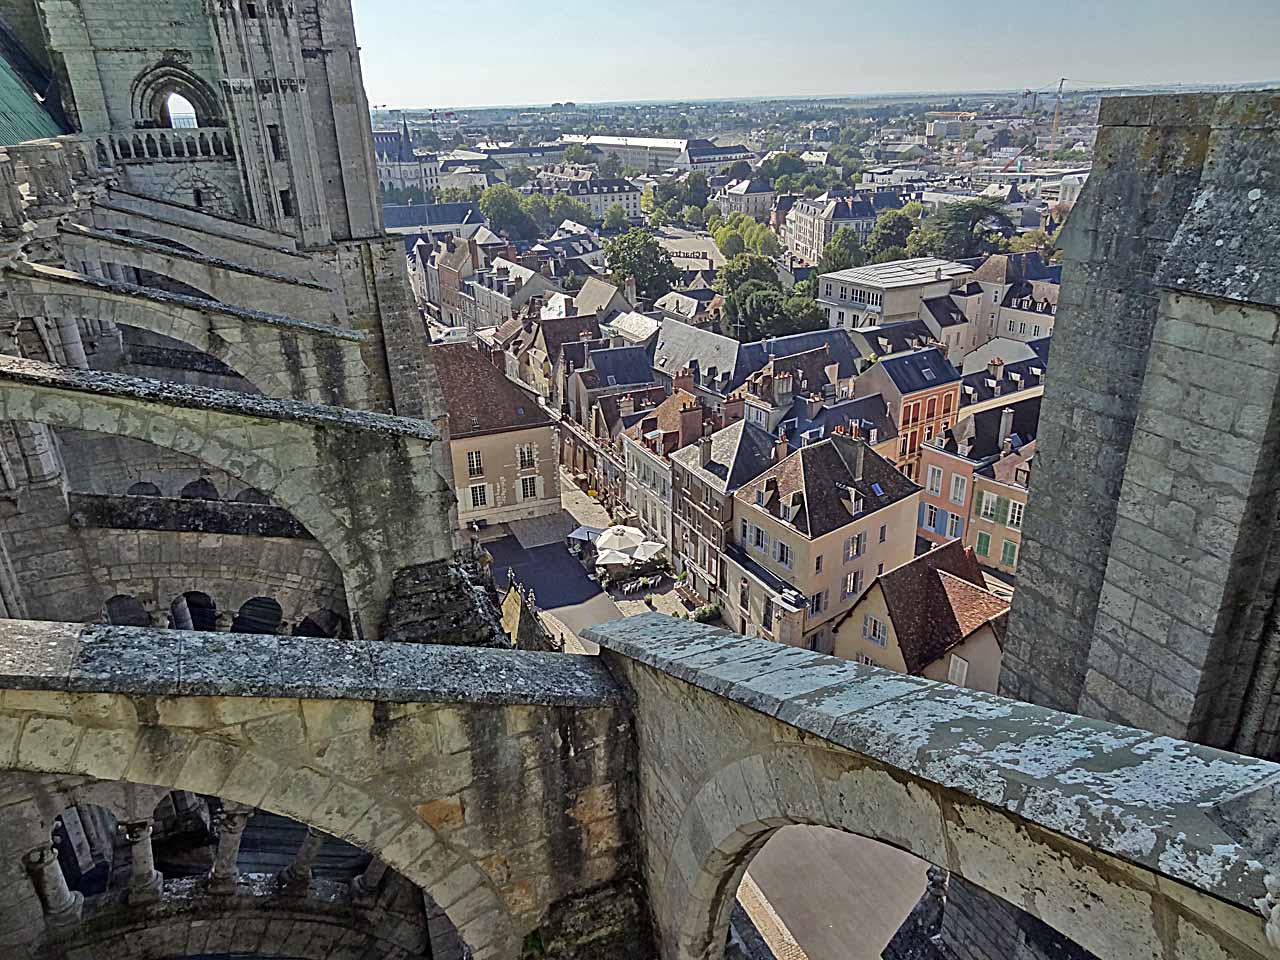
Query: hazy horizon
[[608, 52]]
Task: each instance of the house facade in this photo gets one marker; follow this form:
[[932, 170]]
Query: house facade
[[885, 292]]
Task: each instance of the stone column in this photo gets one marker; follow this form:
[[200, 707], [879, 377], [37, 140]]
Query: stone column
[[296, 877], [365, 887], [62, 906], [225, 875], [145, 882]]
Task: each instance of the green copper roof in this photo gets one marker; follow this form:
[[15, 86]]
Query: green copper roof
[[22, 116]]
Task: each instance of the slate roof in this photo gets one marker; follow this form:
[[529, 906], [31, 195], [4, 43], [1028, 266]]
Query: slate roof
[[1006, 268], [893, 337], [557, 331], [816, 481], [594, 295], [945, 311], [936, 601], [430, 214], [840, 347], [679, 343], [919, 369], [865, 412], [984, 429], [977, 385], [615, 367], [479, 399], [741, 188], [739, 453]]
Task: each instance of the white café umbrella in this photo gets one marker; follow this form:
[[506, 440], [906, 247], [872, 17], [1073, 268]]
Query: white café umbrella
[[647, 550], [613, 558], [620, 538], [586, 533]]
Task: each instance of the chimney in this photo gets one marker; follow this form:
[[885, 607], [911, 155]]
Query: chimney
[[629, 290], [690, 422], [995, 368], [683, 380], [1006, 424], [858, 460], [780, 448], [704, 450], [627, 405]]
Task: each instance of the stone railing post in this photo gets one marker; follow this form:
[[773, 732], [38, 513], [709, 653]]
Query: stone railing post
[[225, 875], [365, 887], [296, 877], [145, 882], [62, 905]]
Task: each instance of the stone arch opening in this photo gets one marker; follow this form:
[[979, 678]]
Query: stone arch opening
[[143, 488], [250, 495], [169, 89], [194, 610], [126, 611], [323, 623], [201, 489], [258, 615]]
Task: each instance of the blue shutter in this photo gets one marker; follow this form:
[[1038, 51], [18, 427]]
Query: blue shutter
[[959, 526], [920, 522], [940, 526]]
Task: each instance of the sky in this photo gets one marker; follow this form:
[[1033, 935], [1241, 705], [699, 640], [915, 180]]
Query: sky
[[432, 53]]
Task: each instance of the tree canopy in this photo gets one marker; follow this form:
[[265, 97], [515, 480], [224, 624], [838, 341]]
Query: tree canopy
[[638, 254], [524, 217], [842, 251], [964, 229], [579, 153], [615, 217], [891, 230]]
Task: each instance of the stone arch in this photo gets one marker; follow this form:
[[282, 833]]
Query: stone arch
[[363, 485], [258, 615], [322, 623], [126, 611], [150, 90], [201, 489], [724, 826], [143, 488], [194, 610], [238, 749]]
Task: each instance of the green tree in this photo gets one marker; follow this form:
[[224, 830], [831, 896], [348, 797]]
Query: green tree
[[692, 216], [638, 254], [1033, 241], [615, 218], [963, 228], [743, 268], [538, 207], [760, 239], [672, 208], [711, 210], [565, 207], [737, 170], [578, 153], [803, 312], [730, 242], [610, 166], [696, 191], [658, 219], [923, 242], [780, 165], [518, 176], [889, 254], [889, 233], [459, 195], [648, 199], [501, 206], [842, 251]]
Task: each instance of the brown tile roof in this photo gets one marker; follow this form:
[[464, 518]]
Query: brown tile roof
[[816, 481], [610, 405], [478, 397], [559, 330], [938, 600]]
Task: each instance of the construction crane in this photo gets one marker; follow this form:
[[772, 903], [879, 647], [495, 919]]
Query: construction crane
[[1057, 118], [1014, 159]]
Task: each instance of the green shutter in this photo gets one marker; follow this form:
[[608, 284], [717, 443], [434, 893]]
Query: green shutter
[[984, 544], [1002, 510]]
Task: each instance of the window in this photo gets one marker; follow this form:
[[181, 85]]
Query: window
[[931, 405], [761, 539], [783, 554], [930, 516], [277, 144], [983, 546], [759, 498], [527, 459], [879, 569], [286, 203], [866, 661], [743, 533], [946, 407], [1035, 330], [955, 526], [884, 532], [251, 11], [817, 603], [959, 486], [479, 495], [817, 564], [475, 464], [874, 630], [855, 547], [1012, 326], [853, 584], [528, 488], [1009, 553], [934, 484], [766, 619], [1022, 328], [1015, 513], [957, 670], [988, 508]]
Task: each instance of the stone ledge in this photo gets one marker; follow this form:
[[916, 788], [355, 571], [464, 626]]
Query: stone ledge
[[56, 275], [1132, 794], [18, 371], [93, 658], [80, 231], [183, 515]]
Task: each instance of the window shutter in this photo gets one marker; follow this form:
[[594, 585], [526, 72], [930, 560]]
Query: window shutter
[[539, 484], [488, 494], [941, 525], [958, 670], [1002, 509], [866, 620], [920, 522]]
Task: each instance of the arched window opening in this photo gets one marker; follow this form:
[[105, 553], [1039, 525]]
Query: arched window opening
[[143, 489], [126, 611], [322, 623], [250, 495], [179, 111], [194, 611], [258, 615], [200, 489]]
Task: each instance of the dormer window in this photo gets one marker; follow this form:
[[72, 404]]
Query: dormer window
[[759, 498]]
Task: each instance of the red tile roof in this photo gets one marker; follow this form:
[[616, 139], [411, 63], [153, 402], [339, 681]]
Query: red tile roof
[[478, 397]]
